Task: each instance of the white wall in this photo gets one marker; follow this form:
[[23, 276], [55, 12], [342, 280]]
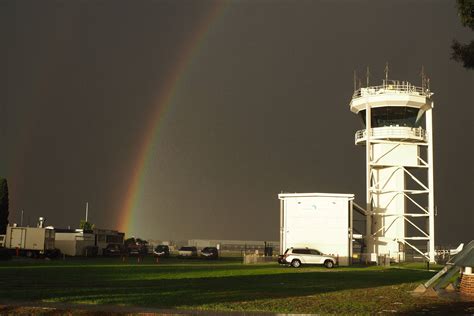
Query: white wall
[[391, 227], [32, 238], [319, 222], [72, 244], [396, 154]]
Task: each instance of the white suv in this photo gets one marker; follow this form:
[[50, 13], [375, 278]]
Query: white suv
[[187, 252], [298, 256]]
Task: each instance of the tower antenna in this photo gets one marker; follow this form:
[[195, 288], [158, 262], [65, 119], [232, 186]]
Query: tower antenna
[[368, 76], [422, 74], [355, 80], [386, 73], [87, 211]]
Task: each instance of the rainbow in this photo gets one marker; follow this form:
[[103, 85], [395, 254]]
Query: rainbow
[[161, 103]]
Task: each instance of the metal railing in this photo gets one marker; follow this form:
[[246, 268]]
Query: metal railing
[[398, 132], [396, 87]]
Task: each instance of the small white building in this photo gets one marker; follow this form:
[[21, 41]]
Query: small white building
[[72, 242], [321, 221]]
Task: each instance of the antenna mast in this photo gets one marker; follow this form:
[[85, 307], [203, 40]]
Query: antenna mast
[[423, 78], [368, 76], [355, 80], [87, 211], [386, 73]]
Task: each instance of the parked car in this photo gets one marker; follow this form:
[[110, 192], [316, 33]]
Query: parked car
[[281, 259], [52, 253], [187, 252], [114, 250], [298, 256], [161, 251], [136, 250], [210, 253], [136, 246]]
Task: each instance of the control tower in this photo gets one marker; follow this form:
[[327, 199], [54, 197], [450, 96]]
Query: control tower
[[398, 139]]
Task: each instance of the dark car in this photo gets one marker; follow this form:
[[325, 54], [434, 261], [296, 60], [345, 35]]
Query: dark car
[[281, 259], [161, 251], [52, 253], [136, 246], [210, 253], [114, 250], [137, 250]]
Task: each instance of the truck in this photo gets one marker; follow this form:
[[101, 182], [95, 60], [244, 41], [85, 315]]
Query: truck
[[29, 241]]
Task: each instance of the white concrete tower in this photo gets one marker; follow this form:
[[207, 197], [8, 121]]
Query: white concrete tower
[[398, 138]]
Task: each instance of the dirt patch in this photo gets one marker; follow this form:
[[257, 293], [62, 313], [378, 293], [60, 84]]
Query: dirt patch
[[53, 309]]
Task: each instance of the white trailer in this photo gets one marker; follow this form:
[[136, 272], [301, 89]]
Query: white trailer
[[29, 240], [321, 221]]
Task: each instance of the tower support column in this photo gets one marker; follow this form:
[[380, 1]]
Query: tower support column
[[431, 206], [369, 240]]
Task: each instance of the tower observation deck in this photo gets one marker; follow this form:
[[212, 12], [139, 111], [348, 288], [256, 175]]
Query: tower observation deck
[[398, 139]]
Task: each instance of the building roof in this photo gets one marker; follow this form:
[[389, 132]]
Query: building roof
[[72, 231], [335, 195]]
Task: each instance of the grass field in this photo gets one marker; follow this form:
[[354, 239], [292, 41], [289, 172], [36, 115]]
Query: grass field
[[224, 285]]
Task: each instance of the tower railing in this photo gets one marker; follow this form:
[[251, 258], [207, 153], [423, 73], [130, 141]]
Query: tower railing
[[392, 88], [395, 132]]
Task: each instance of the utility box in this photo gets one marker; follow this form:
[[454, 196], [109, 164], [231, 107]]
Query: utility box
[[35, 239], [321, 221]]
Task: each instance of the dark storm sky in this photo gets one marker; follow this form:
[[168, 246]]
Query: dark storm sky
[[262, 107]]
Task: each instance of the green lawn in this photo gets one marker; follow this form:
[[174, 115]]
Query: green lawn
[[225, 285]]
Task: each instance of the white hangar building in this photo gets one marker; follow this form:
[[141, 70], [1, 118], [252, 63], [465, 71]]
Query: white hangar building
[[321, 221]]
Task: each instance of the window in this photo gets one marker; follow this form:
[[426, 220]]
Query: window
[[315, 252], [393, 116], [301, 251], [113, 239], [188, 248]]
